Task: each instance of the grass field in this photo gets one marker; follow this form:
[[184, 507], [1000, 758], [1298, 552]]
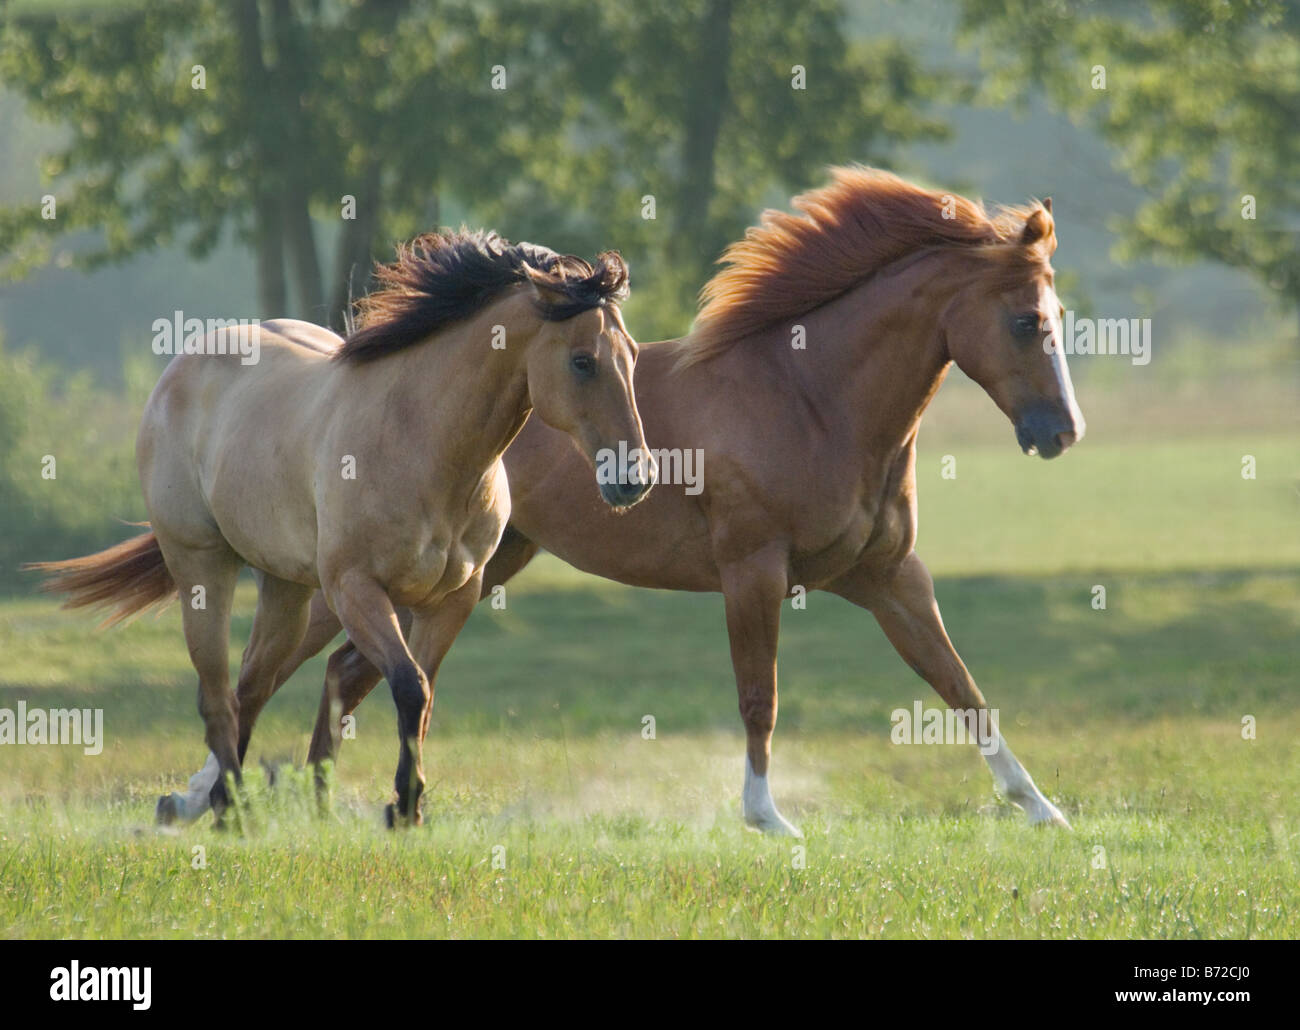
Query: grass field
[[548, 815]]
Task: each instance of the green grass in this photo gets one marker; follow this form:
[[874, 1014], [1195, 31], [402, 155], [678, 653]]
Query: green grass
[[1126, 505], [1130, 718]]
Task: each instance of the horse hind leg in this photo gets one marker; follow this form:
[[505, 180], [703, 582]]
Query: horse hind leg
[[279, 626], [194, 801], [349, 677], [513, 552], [205, 578], [188, 805], [907, 611]]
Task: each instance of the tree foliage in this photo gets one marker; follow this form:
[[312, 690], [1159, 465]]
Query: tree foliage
[[394, 103], [1201, 100]]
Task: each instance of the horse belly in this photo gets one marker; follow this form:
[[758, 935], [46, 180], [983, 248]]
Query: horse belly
[[285, 550]]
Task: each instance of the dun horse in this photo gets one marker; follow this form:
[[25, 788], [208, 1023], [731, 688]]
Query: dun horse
[[368, 468], [810, 451]]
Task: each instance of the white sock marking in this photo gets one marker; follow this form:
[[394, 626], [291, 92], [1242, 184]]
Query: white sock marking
[[1017, 786], [195, 801], [760, 809]]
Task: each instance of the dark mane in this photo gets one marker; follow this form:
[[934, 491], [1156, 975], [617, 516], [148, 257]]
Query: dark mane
[[442, 278]]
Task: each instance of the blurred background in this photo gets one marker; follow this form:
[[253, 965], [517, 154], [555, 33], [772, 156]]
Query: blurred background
[[1132, 609], [199, 155]]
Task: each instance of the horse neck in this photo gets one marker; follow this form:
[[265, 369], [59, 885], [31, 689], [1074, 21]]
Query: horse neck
[[875, 357], [467, 397]]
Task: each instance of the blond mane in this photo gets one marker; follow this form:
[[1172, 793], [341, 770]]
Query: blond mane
[[862, 221]]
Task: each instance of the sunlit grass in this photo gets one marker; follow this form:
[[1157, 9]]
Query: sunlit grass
[[1130, 717], [516, 845]]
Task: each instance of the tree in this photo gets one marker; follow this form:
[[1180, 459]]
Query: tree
[[551, 120], [708, 110], [1202, 100], [190, 119]]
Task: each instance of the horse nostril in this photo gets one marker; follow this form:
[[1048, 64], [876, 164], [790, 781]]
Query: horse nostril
[[632, 491], [1064, 440]]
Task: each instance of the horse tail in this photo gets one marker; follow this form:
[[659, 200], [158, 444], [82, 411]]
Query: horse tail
[[127, 578]]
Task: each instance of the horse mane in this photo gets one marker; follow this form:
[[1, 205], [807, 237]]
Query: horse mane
[[442, 278], [862, 221]]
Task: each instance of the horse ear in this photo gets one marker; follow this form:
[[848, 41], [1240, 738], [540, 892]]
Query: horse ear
[[1037, 226], [1047, 204], [545, 286]]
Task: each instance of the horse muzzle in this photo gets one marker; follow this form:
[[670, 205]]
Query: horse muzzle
[[1047, 432], [623, 495], [636, 476]]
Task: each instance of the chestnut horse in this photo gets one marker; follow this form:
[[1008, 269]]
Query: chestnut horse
[[369, 469], [803, 383]]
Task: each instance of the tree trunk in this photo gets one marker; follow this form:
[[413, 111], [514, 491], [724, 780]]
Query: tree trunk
[[294, 67], [354, 258], [269, 226], [268, 245], [356, 248], [703, 127], [303, 262]]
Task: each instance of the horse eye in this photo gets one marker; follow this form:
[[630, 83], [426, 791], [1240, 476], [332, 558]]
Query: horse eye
[[1023, 326], [584, 365]]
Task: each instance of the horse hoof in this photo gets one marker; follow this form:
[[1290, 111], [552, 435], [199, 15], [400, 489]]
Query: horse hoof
[[395, 820], [778, 827], [1042, 812], [1053, 818], [166, 811]]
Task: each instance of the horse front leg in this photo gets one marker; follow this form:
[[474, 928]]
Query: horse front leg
[[754, 590], [905, 606], [432, 634], [368, 617], [349, 676]]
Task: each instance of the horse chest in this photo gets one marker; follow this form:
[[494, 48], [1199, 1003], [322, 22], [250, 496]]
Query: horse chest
[[880, 533], [893, 534], [455, 547], [888, 507]]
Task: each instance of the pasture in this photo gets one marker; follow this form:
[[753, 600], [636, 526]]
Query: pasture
[[548, 814]]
